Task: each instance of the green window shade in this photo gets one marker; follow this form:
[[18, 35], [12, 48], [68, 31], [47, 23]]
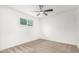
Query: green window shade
[[23, 21], [29, 22]]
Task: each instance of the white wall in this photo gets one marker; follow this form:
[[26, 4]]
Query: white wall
[[11, 32], [60, 27], [78, 25]]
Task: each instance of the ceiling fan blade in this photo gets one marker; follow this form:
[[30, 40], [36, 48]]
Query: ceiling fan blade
[[38, 14], [48, 10], [45, 14]]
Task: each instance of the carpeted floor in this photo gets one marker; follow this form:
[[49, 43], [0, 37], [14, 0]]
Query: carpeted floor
[[42, 46]]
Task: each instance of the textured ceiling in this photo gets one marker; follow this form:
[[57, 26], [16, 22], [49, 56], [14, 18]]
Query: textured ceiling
[[30, 8]]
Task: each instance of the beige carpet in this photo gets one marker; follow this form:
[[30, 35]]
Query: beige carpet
[[42, 46]]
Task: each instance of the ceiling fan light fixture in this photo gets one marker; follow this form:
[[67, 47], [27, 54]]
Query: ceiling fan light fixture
[[41, 12]]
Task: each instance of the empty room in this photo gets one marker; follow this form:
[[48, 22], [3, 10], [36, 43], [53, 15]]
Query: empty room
[[39, 29]]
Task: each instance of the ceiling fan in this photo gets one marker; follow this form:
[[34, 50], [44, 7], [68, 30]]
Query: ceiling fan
[[43, 11]]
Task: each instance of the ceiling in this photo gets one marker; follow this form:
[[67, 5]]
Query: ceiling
[[28, 9]]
